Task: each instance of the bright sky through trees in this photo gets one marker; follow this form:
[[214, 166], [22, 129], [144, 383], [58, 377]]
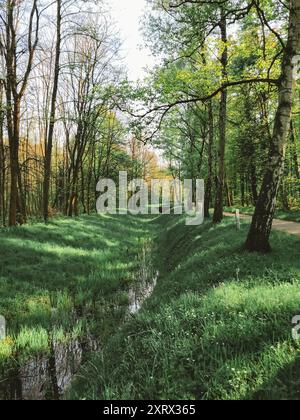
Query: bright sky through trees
[[127, 14]]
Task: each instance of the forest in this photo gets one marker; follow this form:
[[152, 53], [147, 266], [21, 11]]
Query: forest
[[221, 103]]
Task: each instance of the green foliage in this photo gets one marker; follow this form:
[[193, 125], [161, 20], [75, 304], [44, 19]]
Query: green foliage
[[186, 36]]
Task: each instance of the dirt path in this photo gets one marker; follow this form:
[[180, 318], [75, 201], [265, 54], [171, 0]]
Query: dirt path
[[293, 228]]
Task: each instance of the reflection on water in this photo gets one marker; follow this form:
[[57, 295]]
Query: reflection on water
[[49, 376], [138, 294], [145, 282]]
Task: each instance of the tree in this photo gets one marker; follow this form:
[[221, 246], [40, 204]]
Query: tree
[[89, 97], [57, 106], [218, 213], [210, 156], [49, 135], [15, 46], [2, 153], [182, 23], [259, 234]]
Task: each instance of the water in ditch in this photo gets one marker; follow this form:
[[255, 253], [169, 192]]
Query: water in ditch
[[50, 376]]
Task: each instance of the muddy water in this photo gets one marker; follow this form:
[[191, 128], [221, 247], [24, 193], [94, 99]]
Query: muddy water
[[49, 377]]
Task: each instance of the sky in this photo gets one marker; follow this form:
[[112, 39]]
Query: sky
[[127, 14]]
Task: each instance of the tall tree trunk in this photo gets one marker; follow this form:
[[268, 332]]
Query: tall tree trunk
[[219, 205], [259, 234], [14, 207], [2, 157], [15, 91], [22, 214], [209, 181], [83, 189], [13, 148], [49, 142], [73, 199]]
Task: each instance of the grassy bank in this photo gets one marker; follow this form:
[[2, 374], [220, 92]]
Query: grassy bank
[[65, 280], [291, 215], [218, 325]]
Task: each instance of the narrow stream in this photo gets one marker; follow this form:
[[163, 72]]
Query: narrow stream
[[49, 377], [145, 286]]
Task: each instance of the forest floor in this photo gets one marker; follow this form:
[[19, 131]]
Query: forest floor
[[290, 215], [292, 228], [217, 326]]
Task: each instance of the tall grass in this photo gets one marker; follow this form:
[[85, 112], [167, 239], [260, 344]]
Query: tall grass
[[218, 325], [64, 280]]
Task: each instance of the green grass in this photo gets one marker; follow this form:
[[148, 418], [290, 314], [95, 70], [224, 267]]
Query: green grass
[[218, 325], [64, 280], [291, 215]]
